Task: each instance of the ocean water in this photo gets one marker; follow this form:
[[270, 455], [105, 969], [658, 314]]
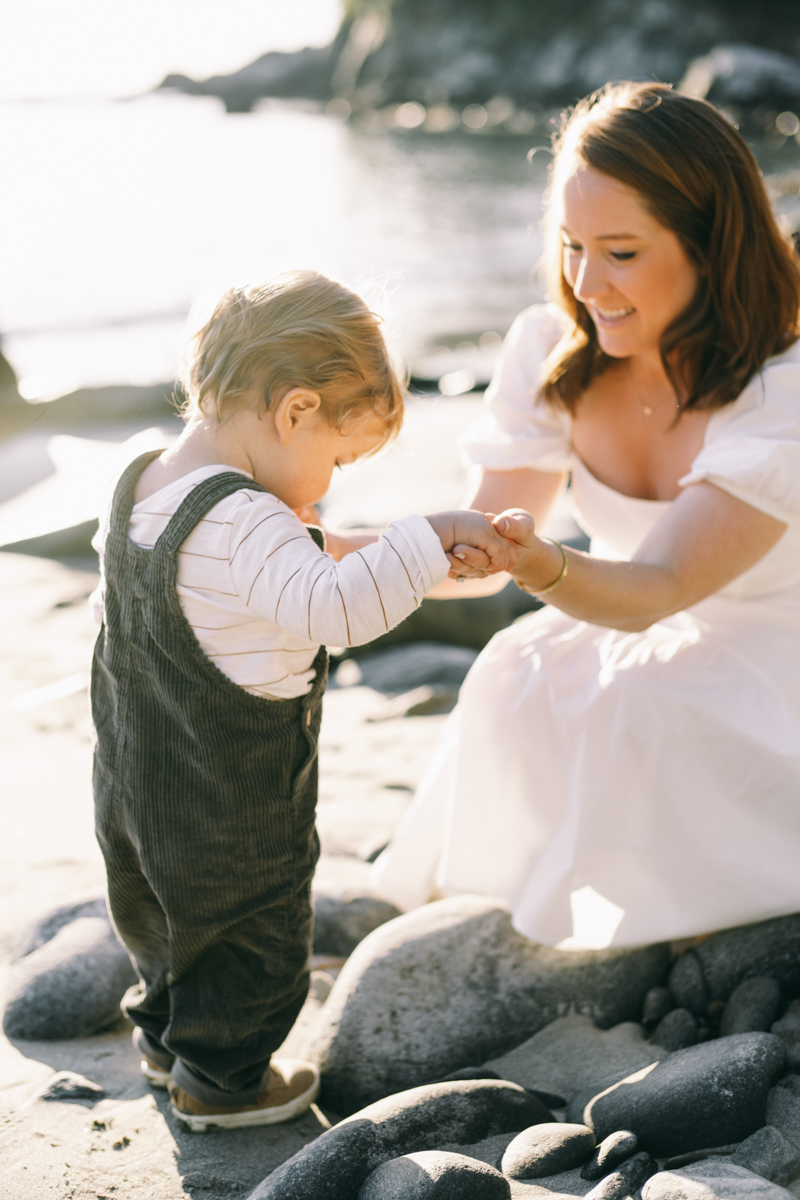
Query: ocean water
[[118, 214]]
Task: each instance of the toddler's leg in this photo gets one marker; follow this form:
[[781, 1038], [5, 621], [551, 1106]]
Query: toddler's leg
[[141, 924], [237, 996]]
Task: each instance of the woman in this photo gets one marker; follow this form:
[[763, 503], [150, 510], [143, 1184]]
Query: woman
[[623, 766]]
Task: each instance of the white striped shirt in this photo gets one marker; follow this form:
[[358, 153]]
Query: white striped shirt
[[261, 597]]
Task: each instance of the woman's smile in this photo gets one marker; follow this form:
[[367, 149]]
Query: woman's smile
[[632, 273]]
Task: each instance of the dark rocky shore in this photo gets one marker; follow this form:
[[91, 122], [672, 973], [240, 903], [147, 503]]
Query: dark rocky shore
[[476, 1064], [515, 59]]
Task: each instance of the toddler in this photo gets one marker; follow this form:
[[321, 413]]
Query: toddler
[[208, 677]]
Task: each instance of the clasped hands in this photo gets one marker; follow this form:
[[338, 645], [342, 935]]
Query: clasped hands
[[479, 544]]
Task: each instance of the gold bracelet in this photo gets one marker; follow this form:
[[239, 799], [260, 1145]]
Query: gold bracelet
[[562, 575]]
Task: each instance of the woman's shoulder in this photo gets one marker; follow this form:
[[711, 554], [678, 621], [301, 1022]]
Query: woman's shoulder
[[770, 403], [536, 330], [752, 445]]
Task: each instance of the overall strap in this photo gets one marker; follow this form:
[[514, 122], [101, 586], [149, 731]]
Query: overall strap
[[201, 499], [122, 504]]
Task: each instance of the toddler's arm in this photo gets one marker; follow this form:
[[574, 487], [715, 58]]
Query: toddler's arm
[[281, 575]]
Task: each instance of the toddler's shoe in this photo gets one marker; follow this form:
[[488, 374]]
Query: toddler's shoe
[[293, 1086], [155, 1064]]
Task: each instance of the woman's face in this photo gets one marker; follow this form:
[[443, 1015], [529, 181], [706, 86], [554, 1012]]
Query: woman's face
[[632, 273]]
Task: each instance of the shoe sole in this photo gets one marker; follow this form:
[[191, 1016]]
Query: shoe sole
[[155, 1077], [262, 1116]]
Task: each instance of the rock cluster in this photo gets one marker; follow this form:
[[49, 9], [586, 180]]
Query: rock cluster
[[527, 56], [677, 1080], [702, 1107]]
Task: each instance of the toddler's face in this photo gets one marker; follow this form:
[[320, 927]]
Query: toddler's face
[[320, 449]]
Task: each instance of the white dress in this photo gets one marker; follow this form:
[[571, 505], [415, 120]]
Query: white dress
[[617, 789]]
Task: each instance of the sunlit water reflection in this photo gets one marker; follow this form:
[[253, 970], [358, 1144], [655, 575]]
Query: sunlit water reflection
[[118, 214]]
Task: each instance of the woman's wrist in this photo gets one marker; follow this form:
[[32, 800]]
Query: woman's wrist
[[542, 567]]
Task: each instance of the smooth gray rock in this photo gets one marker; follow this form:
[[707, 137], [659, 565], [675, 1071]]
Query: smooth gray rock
[[341, 922], [687, 985], [788, 1030], [452, 984], [783, 1111], [71, 986], [610, 1153], [712, 1180], [45, 927], [547, 1149], [707, 1095], [66, 1085], [753, 1006], [728, 958], [435, 1175], [657, 1003], [748, 75], [336, 1165], [791, 1083], [571, 1056], [628, 1178], [676, 1031], [767, 1152], [401, 668]]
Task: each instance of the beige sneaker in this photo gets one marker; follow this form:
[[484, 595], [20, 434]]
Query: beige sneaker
[[293, 1086]]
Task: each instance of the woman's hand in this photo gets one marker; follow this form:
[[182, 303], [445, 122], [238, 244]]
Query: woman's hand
[[538, 562], [704, 540], [472, 545]]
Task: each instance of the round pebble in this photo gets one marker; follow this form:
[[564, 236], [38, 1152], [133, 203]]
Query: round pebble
[[547, 1149], [610, 1153], [628, 1178], [435, 1175], [657, 1003], [752, 1007], [687, 984], [677, 1030]]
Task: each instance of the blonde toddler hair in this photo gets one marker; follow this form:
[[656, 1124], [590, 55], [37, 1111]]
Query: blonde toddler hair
[[298, 330]]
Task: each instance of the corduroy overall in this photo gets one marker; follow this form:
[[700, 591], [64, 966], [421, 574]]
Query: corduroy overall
[[205, 799]]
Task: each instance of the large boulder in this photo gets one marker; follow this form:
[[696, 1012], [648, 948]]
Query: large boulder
[[708, 1095], [69, 987], [451, 985], [341, 922], [44, 928], [336, 1165], [743, 76]]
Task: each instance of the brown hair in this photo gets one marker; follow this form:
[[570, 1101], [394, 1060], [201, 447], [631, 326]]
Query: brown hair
[[298, 330], [696, 176]]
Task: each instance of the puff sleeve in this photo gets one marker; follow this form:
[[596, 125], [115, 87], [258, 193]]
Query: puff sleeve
[[752, 446], [518, 429]]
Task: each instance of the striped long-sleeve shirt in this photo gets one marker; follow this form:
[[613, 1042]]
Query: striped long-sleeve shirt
[[261, 597]]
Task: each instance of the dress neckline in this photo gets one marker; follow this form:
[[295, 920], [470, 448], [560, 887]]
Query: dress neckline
[[589, 475]]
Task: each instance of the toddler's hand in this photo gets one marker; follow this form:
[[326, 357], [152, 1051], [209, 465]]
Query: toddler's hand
[[517, 525], [471, 543]]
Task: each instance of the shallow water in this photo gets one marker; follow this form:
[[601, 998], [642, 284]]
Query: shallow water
[[122, 212]]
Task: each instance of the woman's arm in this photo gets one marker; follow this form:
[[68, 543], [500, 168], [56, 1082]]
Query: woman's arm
[[494, 491], [704, 541]]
